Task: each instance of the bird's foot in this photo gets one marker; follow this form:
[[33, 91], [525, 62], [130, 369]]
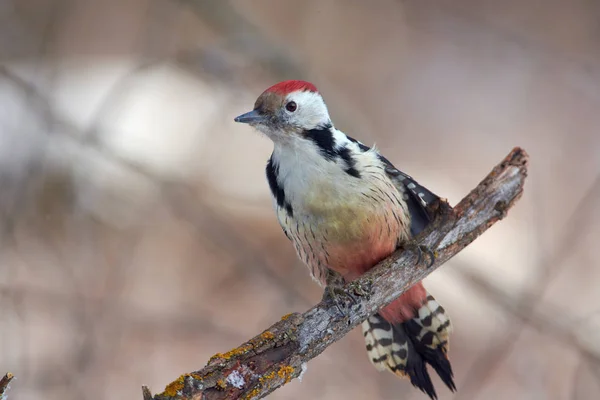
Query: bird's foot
[[346, 297], [421, 251]]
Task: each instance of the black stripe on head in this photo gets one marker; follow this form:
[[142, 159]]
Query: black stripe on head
[[272, 170], [345, 154], [323, 138]]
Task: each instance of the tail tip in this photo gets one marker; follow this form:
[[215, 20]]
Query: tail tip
[[419, 377]]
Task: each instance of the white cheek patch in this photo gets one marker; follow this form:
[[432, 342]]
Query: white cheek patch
[[311, 111]]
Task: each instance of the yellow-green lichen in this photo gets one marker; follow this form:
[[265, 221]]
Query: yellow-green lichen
[[285, 372], [267, 335], [253, 393], [245, 348], [286, 316], [176, 386], [232, 353], [267, 377], [196, 376], [221, 384], [172, 388]]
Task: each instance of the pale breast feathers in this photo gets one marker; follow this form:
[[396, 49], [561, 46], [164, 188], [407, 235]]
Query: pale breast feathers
[[341, 208]]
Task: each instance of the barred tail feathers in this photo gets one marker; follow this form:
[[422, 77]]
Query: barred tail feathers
[[405, 348]]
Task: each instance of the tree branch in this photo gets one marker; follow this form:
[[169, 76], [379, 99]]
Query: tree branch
[[279, 354], [4, 384]]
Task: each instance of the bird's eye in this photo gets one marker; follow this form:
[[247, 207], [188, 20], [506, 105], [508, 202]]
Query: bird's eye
[[291, 106]]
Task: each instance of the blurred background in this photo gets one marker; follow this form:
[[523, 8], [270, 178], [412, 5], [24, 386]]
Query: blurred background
[[136, 230]]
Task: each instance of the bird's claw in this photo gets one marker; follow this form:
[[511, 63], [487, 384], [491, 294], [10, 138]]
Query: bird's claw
[[344, 298], [421, 250], [340, 298]]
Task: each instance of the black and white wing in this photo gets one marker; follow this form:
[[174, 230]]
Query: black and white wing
[[419, 197]]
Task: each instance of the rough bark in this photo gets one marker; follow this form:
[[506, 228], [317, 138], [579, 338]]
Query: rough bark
[[4, 385], [280, 353]]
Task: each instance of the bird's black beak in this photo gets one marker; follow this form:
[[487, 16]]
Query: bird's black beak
[[252, 117]]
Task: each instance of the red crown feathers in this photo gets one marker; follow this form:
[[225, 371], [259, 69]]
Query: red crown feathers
[[287, 87]]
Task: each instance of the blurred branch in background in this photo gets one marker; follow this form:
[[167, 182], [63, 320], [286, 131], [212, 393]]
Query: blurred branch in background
[[279, 354], [181, 198], [245, 39]]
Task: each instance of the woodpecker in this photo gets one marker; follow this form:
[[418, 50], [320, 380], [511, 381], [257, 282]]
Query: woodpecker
[[345, 207]]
